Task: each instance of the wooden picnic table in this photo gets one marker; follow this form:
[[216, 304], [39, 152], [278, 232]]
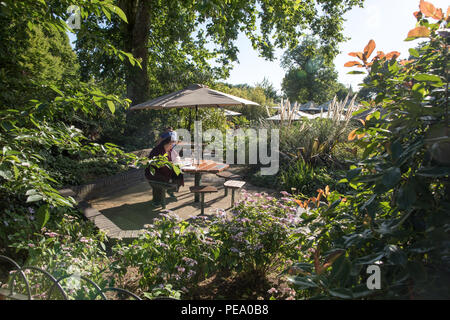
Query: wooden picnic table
[[205, 166]]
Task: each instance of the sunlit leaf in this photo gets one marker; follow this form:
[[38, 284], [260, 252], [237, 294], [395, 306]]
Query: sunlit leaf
[[356, 54], [419, 32], [369, 49], [43, 215], [427, 77], [352, 64], [393, 55], [356, 72], [429, 10], [352, 135], [111, 106]]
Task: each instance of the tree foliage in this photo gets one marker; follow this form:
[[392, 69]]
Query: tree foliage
[[310, 73], [37, 136], [185, 37]]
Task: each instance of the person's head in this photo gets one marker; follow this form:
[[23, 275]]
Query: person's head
[[166, 144], [169, 129]]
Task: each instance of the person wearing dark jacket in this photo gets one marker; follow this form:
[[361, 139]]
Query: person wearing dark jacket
[[164, 174]]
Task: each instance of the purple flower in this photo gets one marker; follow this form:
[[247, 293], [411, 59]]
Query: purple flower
[[191, 273], [190, 262], [51, 234], [180, 269], [285, 193], [234, 250], [272, 291], [84, 240], [31, 245]]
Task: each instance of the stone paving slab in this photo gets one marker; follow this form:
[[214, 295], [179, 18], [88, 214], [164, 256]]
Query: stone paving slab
[[123, 214]]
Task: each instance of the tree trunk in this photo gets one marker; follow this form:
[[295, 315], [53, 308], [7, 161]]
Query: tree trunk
[[135, 36]]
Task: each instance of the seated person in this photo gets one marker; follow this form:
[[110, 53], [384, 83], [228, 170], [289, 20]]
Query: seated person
[[165, 174]]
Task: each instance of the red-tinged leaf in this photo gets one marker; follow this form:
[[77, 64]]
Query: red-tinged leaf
[[380, 55], [419, 32], [438, 15], [392, 55], [352, 64], [404, 62], [352, 135], [447, 15], [356, 54], [427, 8], [417, 14], [369, 49], [299, 202]]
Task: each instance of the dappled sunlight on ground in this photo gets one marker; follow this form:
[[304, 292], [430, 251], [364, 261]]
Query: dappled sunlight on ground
[[130, 209]]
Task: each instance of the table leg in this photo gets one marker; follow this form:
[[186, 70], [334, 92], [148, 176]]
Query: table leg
[[197, 180]]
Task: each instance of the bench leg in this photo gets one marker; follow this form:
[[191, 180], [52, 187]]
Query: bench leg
[[202, 204], [163, 198], [232, 197], [226, 191]]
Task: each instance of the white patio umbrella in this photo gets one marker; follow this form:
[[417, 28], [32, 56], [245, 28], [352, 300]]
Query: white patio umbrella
[[194, 96], [230, 113], [298, 115]]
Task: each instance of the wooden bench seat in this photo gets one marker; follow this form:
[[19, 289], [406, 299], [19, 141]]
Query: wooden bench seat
[[227, 175], [202, 190], [159, 189], [233, 185]]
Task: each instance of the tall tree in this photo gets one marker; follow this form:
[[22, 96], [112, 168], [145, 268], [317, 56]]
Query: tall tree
[[31, 56], [179, 31], [310, 75]]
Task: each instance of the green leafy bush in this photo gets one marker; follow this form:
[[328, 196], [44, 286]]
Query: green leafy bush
[[397, 216], [306, 179], [257, 241], [67, 245], [170, 252]]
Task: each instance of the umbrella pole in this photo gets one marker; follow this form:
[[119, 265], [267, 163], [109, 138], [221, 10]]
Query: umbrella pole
[[197, 176], [196, 138]]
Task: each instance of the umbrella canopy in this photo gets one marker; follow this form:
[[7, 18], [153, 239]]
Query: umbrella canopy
[[230, 113], [328, 115], [325, 106], [296, 116], [193, 96], [309, 106]]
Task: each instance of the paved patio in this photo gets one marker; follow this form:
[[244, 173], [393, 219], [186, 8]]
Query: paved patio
[[124, 213]]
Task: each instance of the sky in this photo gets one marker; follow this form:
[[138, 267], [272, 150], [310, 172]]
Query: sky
[[387, 22]]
